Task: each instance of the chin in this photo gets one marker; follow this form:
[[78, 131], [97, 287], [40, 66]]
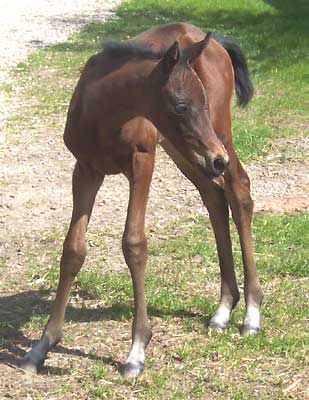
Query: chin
[[207, 172]]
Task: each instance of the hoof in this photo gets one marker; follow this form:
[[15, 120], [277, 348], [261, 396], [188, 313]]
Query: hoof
[[249, 330], [132, 370], [217, 326], [31, 362]]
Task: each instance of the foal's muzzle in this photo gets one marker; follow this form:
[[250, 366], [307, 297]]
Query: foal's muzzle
[[210, 156], [212, 166], [219, 165]]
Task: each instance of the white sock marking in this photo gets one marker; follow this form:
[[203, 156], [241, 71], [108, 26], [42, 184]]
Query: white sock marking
[[252, 317], [222, 315], [137, 353]]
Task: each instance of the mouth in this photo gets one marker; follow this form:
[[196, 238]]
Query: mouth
[[208, 172]]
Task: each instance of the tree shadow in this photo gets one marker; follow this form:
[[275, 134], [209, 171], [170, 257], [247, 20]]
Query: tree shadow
[[18, 309], [271, 39], [298, 7]]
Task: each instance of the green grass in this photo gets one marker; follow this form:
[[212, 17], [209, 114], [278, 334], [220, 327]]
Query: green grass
[[186, 360], [182, 288], [2, 262], [273, 34]]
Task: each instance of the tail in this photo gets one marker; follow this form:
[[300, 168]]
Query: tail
[[243, 84]]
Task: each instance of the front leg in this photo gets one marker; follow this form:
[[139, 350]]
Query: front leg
[[135, 253], [214, 199]]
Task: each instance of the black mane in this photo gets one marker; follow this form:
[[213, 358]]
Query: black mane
[[132, 49]]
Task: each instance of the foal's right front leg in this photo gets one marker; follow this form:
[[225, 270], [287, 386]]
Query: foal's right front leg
[[86, 183]]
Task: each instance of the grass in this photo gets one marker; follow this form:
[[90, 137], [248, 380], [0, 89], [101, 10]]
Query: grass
[[2, 262], [182, 289], [273, 34], [185, 360]]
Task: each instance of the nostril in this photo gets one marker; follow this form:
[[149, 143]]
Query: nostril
[[219, 165]]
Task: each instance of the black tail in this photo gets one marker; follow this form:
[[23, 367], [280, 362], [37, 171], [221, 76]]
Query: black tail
[[243, 84]]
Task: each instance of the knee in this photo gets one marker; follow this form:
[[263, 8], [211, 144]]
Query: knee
[[246, 202], [73, 256], [244, 179], [134, 246], [242, 192], [241, 187]]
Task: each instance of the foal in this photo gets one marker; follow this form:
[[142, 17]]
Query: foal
[[175, 81]]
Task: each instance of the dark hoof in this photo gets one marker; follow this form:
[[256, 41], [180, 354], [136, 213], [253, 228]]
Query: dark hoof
[[246, 330], [32, 362], [132, 370]]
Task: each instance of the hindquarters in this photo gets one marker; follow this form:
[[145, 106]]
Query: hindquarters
[[243, 84]]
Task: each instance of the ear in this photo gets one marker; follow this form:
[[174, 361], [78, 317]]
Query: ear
[[195, 50], [171, 58]]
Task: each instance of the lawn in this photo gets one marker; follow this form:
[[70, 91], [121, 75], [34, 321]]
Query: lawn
[[273, 34], [185, 359]]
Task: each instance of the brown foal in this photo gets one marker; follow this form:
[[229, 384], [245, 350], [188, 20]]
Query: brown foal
[[170, 84]]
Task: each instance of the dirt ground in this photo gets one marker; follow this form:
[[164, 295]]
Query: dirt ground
[[35, 196], [35, 180]]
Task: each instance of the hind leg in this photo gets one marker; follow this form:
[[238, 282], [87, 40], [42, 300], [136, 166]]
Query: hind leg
[[237, 190], [85, 186], [237, 185], [214, 199]]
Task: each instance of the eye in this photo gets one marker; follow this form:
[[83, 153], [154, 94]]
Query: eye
[[180, 108]]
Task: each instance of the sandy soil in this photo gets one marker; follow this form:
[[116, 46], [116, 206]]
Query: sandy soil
[[36, 169], [35, 174]]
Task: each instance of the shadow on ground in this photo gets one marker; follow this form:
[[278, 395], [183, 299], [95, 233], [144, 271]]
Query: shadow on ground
[[18, 309], [271, 39]]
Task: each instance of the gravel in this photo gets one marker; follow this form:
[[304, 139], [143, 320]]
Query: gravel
[[36, 159], [35, 171], [28, 24]]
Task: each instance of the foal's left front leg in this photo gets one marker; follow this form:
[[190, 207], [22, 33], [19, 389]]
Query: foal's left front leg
[[135, 252]]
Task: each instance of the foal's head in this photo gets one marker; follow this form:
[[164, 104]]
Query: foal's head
[[183, 112]]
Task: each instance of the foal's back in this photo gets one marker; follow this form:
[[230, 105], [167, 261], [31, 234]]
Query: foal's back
[[166, 35]]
